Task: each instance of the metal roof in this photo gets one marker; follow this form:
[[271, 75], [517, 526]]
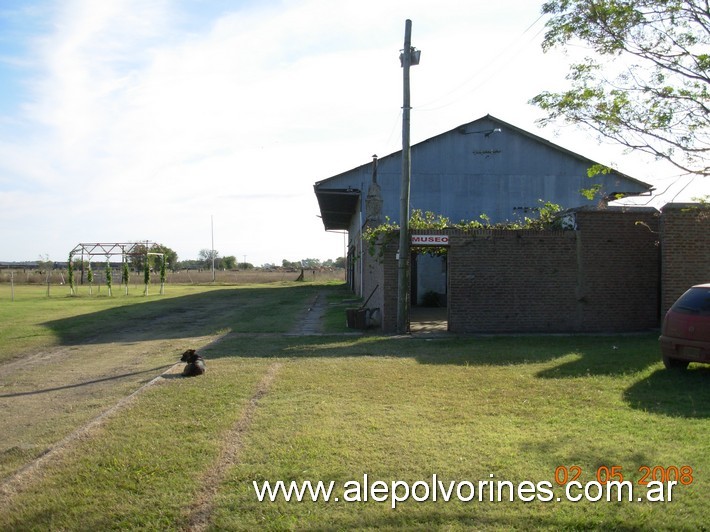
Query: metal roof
[[337, 206]]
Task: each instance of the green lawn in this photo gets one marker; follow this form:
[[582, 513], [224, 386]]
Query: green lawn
[[335, 408]]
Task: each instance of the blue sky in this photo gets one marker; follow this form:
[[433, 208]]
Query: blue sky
[[126, 120]]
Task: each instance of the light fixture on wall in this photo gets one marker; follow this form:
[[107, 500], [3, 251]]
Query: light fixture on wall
[[485, 132]]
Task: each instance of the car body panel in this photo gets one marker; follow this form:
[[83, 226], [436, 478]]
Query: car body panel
[[685, 334]]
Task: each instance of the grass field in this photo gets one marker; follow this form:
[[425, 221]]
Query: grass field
[[185, 453]]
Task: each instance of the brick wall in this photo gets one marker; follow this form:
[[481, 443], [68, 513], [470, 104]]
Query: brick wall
[[619, 275], [685, 250], [602, 277], [512, 281]]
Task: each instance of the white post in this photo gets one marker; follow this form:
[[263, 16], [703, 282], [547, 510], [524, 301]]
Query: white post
[[212, 226]]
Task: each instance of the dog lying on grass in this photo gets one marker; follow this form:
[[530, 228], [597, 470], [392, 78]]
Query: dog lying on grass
[[195, 364]]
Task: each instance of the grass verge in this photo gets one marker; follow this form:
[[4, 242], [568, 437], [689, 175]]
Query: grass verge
[[393, 408]]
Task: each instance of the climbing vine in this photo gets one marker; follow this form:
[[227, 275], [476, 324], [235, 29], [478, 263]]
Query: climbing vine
[[108, 277], [162, 275], [125, 276], [70, 274], [90, 277], [146, 276], [385, 233]]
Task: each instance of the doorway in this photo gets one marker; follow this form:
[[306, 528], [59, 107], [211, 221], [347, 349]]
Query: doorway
[[429, 293]]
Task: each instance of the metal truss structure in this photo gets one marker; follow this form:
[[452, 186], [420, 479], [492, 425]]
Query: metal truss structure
[[111, 249]]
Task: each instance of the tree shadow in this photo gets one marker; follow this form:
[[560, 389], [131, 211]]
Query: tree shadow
[[202, 314], [675, 393], [578, 355], [609, 356]]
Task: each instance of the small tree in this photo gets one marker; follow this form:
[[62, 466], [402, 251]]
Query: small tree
[[229, 262], [46, 266], [90, 277], [125, 275], [207, 256], [70, 274], [108, 277], [163, 264], [146, 276]]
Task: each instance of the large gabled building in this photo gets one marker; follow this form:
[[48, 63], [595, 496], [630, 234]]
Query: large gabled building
[[485, 167]]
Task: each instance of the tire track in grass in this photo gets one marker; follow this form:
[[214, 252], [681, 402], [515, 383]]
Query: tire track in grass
[[201, 509], [14, 483]]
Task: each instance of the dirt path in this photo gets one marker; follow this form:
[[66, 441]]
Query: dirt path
[[49, 395], [44, 397], [311, 319]]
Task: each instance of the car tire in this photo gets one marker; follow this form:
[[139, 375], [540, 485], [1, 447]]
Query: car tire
[[675, 363]]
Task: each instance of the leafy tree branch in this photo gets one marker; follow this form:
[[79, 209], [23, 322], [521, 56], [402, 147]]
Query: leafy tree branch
[[658, 101]]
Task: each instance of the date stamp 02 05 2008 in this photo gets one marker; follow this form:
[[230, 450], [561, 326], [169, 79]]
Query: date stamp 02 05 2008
[[683, 474]]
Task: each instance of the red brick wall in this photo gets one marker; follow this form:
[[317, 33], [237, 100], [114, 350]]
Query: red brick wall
[[602, 277], [619, 270], [685, 250], [512, 281]]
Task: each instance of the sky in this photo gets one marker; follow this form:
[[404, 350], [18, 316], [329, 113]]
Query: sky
[[187, 122]]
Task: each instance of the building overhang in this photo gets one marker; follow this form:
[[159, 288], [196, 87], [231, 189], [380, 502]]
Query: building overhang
[[337, 206]]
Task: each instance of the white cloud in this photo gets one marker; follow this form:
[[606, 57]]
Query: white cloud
[[145, 118]]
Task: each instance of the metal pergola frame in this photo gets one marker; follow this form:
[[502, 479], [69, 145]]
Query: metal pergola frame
[[112, 249]]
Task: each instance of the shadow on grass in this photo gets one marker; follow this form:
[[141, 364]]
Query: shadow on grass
[[684, 394], [608, 355], [680, 393], [578, 356], [245, 309], [86, 383], [274, 310]]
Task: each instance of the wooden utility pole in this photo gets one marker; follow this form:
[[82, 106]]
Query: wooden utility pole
[[403, 264]]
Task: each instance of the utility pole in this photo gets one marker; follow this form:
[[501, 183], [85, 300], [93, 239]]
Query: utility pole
[[409, 57], [212, 232]]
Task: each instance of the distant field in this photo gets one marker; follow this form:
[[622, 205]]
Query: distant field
[[60, 277]]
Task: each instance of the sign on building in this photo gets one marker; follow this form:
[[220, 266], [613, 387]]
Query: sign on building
[[430, 240]]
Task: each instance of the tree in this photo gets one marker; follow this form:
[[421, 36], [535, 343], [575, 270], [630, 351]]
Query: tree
[[46, 266], [146, 277], [229, 263], [163, 266], [170, 256], [206, 256], [310, 264], [108, 277], [70, 274], [139, 257], [90, 278], [656, 99], [141, 252], [125, 275]]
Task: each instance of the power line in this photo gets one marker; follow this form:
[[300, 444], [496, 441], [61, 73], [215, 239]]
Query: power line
[[515, 46]]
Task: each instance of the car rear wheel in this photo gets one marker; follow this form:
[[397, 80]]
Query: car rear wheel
[[675, 363]]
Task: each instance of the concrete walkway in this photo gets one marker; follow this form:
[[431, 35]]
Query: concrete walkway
[[428, 321], [310, 322]]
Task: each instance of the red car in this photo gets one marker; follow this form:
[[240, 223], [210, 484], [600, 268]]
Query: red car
[[685, 335]]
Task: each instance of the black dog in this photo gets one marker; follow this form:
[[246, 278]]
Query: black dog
[[195, 364]]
